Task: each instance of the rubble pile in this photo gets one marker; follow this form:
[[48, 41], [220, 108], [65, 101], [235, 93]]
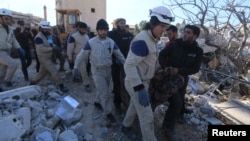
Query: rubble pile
[[31, 114]]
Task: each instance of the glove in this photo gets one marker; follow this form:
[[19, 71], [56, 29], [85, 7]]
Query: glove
[[21, 52], [144, 97], [50, 41], [75, 73]]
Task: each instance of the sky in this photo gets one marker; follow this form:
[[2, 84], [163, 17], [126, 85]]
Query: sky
[[133, 11]]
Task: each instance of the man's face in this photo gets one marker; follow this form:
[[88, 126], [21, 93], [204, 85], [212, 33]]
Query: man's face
[[5, 20], [82, 30], [121, 25], [171, 35], [188, 35], [102, 33], [159, 30]]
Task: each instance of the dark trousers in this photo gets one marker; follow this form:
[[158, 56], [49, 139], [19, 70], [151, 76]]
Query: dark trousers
[[116, 71], [58, 55], [37, 61], [26, 61], [176, 108], [172, 113]]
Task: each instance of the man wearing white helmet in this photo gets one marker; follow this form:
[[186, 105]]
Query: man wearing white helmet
[[44, 47], [140, 67], [8, 40]]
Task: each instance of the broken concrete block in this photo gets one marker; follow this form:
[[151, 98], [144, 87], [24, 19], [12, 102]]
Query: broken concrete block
[[42, 133], [25, 114], [66, 107], [207, 110], [13, 128], [44, 136], [24, 93], [67, 135]]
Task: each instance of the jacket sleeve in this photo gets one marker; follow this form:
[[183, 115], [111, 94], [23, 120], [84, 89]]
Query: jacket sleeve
[[118, 54], [82, 57], [136, 55]]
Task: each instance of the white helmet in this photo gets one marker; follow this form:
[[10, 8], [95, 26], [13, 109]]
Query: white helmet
[[44, 24], [5, 12], [162, 13]]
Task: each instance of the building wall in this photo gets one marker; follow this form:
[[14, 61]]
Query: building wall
[[85, 7]]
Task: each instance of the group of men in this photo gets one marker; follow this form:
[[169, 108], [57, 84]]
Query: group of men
[[116, 55]]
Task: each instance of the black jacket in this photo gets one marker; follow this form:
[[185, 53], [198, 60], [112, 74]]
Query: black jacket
[[185, 56], [122, 40]]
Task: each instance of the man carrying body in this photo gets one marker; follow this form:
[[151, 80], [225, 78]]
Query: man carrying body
[[140, 66], [182, 57]]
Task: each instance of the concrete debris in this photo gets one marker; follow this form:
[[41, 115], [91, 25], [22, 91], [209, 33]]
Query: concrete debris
[[29, 110], [13, 128], [68, 135]]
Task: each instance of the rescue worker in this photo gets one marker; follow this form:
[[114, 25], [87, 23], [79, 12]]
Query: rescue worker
[[44, 48], [122, 38], [182, 57], [140, 66], [8, 65], [24, 38], [99, 50], [76, 42]]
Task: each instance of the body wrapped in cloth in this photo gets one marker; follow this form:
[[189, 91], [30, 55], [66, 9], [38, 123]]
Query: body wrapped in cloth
[[163, 85]]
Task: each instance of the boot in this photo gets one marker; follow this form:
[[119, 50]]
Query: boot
[[32, 83], [129, 133], [111, 119], [8, 83], [63, 88]]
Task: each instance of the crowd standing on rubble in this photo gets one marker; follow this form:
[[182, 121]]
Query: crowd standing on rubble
[[118, 56]]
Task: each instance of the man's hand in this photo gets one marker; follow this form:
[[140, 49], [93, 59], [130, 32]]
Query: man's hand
[[171, 71], [144, 97]]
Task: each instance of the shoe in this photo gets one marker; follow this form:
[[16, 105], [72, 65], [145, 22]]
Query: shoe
[[129, 133], [1, 90], [77, 80], [61, 70], [172, 136], [26, 78], [8, 83], [62, 88], [111, 119], [125, 130], [87, 88], [32, 83], [98, 106]]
